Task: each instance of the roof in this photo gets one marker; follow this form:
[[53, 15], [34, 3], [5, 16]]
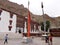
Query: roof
[[11, 7]]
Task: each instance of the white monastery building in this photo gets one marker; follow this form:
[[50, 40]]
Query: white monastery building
[[12, 19]]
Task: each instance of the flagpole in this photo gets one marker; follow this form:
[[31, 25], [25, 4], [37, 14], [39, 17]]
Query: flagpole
[[28, 33], [44, 21], [28, 6]]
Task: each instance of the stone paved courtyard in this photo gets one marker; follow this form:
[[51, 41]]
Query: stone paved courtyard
[[36, 41]]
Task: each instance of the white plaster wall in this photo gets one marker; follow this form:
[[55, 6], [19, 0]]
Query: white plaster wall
[[25, 30], [4, 22]]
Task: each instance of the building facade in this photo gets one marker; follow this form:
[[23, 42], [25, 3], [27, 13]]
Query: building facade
[[5, 18], [10, 22], [12, 19]]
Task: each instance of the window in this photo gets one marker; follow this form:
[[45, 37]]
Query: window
[[11, 15], [0, 11]]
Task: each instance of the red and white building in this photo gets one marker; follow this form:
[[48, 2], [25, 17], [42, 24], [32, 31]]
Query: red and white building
[[11, 19]]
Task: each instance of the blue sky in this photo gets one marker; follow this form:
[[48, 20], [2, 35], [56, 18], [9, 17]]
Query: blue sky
[[51, 7]]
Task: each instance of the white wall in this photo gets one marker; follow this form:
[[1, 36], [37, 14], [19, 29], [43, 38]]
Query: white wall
[[4, 22], [35, 31]]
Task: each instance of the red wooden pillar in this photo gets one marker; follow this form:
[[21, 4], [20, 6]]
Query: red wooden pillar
[[29, 22]]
